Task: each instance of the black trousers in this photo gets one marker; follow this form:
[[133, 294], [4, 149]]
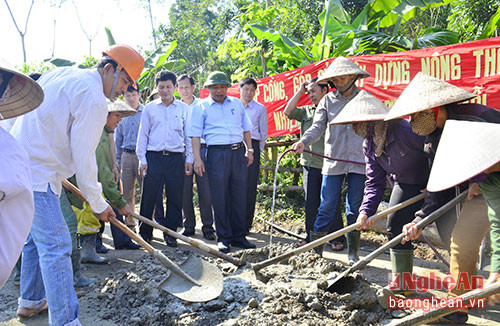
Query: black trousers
[[311, 180], [396, 220], [204, 199], [167, 170], [252, 182], [227, 175]]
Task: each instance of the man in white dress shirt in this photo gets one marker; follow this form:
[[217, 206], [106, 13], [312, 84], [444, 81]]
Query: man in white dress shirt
[[61, 139], [18, 95], [186, 89], [258, 115], [165, 155]]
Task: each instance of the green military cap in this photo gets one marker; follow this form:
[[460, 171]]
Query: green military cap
[[217, 78]]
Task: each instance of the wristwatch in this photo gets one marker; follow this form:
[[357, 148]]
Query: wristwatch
[[251, 150]]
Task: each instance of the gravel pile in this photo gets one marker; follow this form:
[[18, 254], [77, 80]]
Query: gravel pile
[[283, 294]]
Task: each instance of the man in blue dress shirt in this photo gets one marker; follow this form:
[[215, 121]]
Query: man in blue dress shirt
[[223, 123], [125, 141], [165, 155]]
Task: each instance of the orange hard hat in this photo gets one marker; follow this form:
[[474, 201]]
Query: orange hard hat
[[128, 58]]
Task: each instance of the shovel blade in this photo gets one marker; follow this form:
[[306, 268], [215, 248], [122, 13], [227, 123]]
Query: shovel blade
[[343, 283], [208, 276]]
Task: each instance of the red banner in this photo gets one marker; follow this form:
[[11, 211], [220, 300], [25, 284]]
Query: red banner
[[474, 66]]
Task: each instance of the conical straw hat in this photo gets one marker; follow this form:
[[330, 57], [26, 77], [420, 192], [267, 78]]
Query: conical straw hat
[[363, 107], [426, 92], [340, 67], [466, 149], [25, 94], [122, 107]]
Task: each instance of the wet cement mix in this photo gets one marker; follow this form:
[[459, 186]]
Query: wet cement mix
[[291, 293]]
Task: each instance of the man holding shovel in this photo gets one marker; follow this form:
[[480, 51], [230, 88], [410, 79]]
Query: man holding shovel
[[105, 176], [340, 142], [61, 138], [312, 164]]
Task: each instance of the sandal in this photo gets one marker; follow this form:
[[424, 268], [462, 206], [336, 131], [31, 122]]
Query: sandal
[[302, 243], [337, 246]]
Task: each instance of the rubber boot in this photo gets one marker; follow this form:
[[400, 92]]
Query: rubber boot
[[353, 246], [79, 280], [99, 247], [317, 235], [88, 254], [17, 272], [401, 262]]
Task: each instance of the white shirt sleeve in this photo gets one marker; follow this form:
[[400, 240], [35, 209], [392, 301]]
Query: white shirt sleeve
[[143, 137], [86, 131], [263, 128], [16, 202], [187, 139]]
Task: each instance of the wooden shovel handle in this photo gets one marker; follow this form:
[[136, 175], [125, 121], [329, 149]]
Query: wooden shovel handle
[[336, 234], [188, 240], [68, 185]]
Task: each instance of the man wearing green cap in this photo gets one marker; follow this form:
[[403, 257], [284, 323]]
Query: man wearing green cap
[[223, 123]]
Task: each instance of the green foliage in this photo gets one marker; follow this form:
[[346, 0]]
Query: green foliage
[[199, 27], [377, 28], [470, 18], [156, 62], [266, 39], [90, 62], [111, 39], [39, 67]]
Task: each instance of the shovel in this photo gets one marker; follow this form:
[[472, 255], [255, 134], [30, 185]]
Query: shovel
[[424, 317], [257, 266], [342, 283], [188, 240], [196, 281]]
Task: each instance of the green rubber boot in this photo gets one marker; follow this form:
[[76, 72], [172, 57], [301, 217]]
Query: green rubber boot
[[315, 236], [79, 280], [353, 246], [401, 262]]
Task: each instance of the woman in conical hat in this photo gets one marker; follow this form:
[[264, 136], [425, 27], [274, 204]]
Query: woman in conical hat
[[390, 148], [340, 142], [430, 102], [19, 94], [471, 148]]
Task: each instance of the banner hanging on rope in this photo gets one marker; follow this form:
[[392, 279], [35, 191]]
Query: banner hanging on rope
[[474, 66]]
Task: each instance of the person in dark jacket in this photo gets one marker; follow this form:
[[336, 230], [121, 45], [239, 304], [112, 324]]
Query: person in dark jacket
[[430, 102], [390, 149]]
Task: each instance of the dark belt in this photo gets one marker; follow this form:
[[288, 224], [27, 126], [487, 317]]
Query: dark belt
[[165, 152], [203, 145], [131, 151], [230, 146]]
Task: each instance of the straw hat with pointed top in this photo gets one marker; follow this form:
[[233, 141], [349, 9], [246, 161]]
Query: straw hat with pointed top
[[466, 149], [426, 92], [24, 94], [121, 107], [340, 67], [363, 107]]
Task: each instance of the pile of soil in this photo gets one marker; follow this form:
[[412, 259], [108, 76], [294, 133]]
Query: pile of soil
[[283, 294]]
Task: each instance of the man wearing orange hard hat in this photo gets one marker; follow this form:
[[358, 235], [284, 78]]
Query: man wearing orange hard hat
[[61, 138]]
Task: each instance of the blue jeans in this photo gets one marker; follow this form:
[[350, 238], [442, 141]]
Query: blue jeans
[[46, 267], [331, 188]]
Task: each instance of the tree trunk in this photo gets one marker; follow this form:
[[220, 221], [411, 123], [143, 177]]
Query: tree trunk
[[24, 46], [151, 19]]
